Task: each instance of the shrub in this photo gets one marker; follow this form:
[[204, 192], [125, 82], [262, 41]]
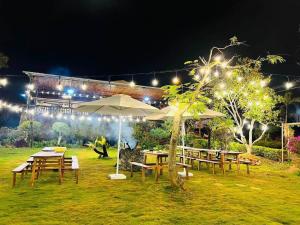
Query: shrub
[[200, 143], [294, 144], [269, 153], [269, 144]]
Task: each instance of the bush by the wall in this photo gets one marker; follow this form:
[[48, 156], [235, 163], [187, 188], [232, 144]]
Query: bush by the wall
[[269, 144], [269, 153], [200, 143]]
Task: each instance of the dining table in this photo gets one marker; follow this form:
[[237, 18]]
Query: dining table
[[160, 161], [43, 159]]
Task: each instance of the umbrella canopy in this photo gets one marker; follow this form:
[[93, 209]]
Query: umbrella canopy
[[169, 112], [117, 105]]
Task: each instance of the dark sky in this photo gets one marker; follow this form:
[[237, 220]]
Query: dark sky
[[96, 37]]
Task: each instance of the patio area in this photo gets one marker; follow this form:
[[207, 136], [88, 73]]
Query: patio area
[[258, 198]]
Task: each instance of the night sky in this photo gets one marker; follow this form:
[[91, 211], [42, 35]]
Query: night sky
[[94, 38]]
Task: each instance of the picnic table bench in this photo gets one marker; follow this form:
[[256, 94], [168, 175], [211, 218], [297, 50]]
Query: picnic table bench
[[143, 167], [20, 169]]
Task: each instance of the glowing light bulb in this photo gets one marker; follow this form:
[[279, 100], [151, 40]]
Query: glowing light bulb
[[30, 87], [224, 65], [263, 83], [229, 73], [154, 82], [175, 80], [288, 85], [216, 73], [264, 127], [132, 83], [197, 77], [84, 86], [218, 58], [59, 87], [3, 82], [239, 79]]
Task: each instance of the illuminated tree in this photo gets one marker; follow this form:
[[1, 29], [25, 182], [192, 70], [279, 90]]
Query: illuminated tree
[[193, 97], [245, 96]]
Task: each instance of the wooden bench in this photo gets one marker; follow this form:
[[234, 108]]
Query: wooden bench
[[186, 167], [20, 169], [143, 167], [75, 167], [247, 163], [213, 162]]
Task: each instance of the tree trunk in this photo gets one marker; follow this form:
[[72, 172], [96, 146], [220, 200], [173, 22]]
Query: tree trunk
[[249, 148], [59, 139], [173, 145]]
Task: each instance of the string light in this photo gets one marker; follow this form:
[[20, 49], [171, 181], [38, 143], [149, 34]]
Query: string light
[[132, 83], [217, 58], [239, 79], [175, 79], [3, 82], [59, 86], [288, 85], [84, 86], [197, 77], [263, 83], [216, 73], [228, 73], [30, 87], [264, 127]]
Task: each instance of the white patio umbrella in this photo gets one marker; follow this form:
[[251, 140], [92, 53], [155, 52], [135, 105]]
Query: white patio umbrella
[[117, 105], [169, 112]]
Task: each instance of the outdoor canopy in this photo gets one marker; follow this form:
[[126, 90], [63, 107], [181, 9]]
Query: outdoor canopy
[[117, 105]]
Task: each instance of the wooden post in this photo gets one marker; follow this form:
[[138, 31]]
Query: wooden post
[[282, 141]]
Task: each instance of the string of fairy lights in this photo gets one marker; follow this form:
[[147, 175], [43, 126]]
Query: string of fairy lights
[[70, 93], [67, 116]]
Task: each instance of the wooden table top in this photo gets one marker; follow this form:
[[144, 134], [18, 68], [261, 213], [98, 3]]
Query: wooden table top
[[48, 154], [210, 150], [147, 152]]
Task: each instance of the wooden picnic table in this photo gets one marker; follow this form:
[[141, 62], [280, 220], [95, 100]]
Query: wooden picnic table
[[40, 160], [211, 152], [159, 163]]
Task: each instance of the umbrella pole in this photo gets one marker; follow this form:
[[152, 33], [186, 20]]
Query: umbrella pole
[[117, 175], [119, 144]]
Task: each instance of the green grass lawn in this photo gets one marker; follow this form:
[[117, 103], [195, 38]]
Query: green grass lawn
[[270, 195]]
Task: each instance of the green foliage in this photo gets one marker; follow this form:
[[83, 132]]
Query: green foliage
[[268, 153], [200, 143], [61, 128], [150, 134], [26, 125]]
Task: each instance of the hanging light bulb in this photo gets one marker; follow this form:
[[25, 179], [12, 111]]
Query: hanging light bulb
[[197, 77], [132, 83], [288, 85], [263, 83], [175, 79], [3, 82], [59, 87], [218, 58], [30, 87], [154, 82], [216, 73], [239, 79], [84, 86]]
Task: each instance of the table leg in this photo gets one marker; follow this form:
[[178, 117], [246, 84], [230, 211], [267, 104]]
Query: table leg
[[161, 168], [223, 162], [33, 172], [60, 170], [157, 169]]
